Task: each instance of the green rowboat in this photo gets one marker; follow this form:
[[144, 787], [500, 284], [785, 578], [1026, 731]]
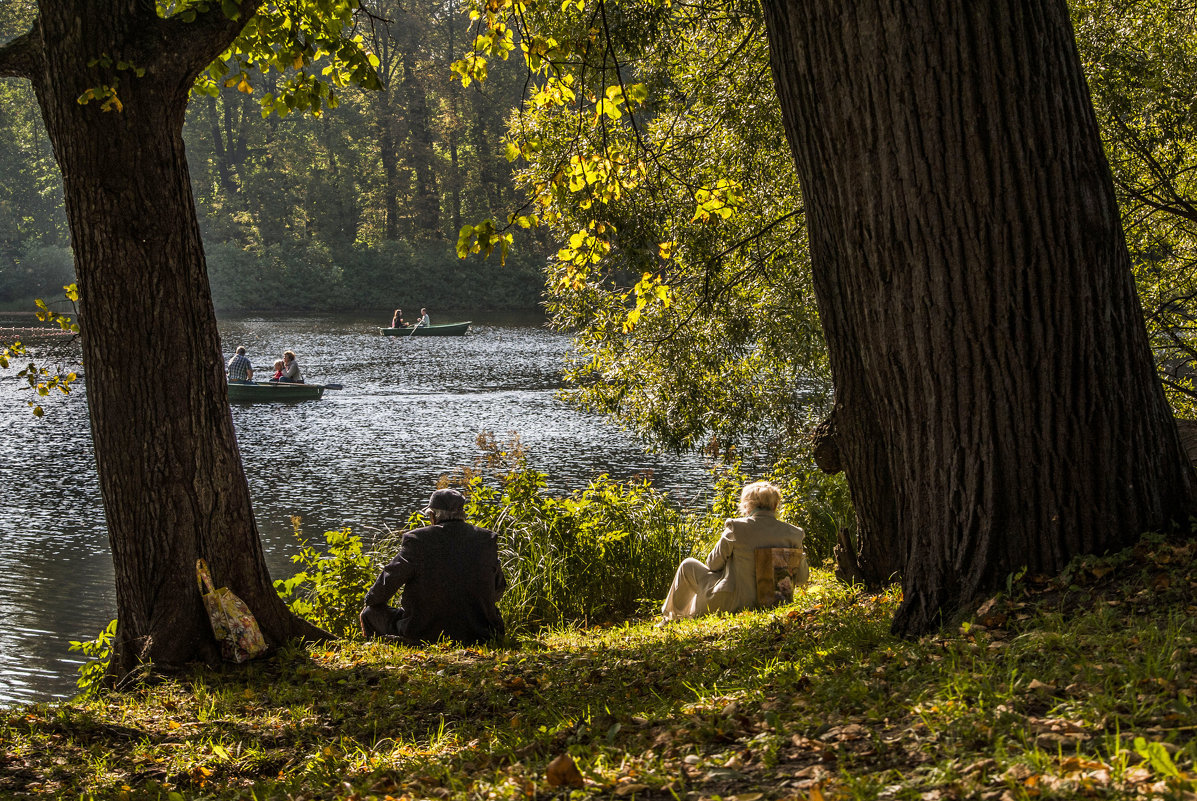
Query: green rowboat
[[446, 330], [272, 391]]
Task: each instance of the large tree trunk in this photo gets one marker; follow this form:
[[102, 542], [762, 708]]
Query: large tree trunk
[[170, 473], [426, 204], [997, 405], [388, 147]]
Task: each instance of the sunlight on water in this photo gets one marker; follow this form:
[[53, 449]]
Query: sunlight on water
[[366, 456]]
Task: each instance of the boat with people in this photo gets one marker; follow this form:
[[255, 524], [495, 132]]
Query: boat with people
[[445, 330], [274, 391]]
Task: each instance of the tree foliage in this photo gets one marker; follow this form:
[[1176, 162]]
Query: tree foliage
[[649, 143], [1141, 61]]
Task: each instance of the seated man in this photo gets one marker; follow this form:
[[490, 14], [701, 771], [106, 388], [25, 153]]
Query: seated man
[[239, 370], [451, 580]]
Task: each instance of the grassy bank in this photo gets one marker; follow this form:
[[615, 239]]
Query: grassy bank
[[1077, 687]]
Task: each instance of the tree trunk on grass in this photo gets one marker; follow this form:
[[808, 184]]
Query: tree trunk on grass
[[997, 406], [169, 469]]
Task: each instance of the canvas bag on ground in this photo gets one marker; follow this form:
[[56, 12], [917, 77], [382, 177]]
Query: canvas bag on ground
[[232, 622]]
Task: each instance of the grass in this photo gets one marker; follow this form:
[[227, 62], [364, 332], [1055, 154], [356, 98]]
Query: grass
[[1080, 686]]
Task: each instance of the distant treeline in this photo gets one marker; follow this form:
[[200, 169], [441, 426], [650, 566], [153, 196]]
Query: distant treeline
[[358, 208], [290, 278]]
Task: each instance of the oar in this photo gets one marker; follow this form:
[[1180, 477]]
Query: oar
[[333, 386]]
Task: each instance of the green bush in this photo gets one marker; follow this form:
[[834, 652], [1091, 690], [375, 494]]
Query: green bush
[[598, 555], [330, 589], [819, 503]]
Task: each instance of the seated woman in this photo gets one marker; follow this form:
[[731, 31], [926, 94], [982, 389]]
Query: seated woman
[[397, 320], [291, 373], [726, 582]]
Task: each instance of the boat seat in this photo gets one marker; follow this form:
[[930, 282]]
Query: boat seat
[[778, 572]]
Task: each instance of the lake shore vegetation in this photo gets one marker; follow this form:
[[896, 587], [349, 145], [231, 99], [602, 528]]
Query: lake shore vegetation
[[1076, 686]]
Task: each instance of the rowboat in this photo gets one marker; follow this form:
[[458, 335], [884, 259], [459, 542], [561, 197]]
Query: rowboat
[[271, 391], [446, 330]]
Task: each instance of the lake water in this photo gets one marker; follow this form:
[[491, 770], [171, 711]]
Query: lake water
[[366, 457]]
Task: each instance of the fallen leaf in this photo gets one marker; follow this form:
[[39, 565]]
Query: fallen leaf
[[628, 789], [850, 731], [563, 772]]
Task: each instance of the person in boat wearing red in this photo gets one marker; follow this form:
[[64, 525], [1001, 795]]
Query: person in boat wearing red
[[397, 320], [451, 580], [278, 371], [240, 371], [291, 372]]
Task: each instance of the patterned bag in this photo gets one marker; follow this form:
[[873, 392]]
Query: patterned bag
[[778, 572], [232, 622]]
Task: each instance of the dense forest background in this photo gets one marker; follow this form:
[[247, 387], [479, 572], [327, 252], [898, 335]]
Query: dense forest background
[[357, 209]]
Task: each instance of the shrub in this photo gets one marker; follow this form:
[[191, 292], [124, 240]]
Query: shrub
[[99, 655], [330, 589], [598, 555]]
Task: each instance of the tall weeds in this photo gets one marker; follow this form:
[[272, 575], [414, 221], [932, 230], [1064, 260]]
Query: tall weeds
[[600, 554]]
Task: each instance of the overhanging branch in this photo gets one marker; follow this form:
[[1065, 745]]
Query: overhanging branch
[[20, 57], [197, 43]]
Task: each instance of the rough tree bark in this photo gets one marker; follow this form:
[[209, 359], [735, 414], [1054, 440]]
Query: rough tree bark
[[997, 404], [426, 204], [169, 469]]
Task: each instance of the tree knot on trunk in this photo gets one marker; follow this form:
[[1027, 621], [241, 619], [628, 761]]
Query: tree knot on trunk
[[825, 446]]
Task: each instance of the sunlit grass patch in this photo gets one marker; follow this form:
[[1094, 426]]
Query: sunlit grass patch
[[1080, 687]]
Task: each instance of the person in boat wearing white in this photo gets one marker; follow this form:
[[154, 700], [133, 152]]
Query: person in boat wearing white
[[726, 582], [425, 321], [240, 371], [397, 320], [291, 371]]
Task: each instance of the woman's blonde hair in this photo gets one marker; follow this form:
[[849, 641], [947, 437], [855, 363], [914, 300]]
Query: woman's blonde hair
[[759, 495]]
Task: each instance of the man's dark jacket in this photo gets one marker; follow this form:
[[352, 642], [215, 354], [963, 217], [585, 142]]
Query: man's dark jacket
[[451, 582]]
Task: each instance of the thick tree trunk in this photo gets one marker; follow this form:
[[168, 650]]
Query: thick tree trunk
[[170, 473], [426, 204], [388, 147], [997, 405]]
